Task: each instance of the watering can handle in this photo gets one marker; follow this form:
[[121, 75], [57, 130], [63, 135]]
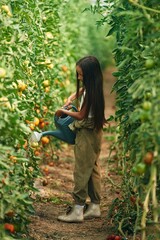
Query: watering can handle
[[74, 108]]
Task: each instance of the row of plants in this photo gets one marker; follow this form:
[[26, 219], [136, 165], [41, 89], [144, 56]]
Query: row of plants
[[26, 73], [136, 25], [40, 42]]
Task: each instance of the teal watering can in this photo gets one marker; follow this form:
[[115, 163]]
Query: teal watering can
[[62, 132]]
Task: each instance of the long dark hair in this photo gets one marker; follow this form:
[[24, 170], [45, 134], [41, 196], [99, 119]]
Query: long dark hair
[[93, 84]]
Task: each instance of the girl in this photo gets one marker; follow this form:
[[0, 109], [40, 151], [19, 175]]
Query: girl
[[88, 125]]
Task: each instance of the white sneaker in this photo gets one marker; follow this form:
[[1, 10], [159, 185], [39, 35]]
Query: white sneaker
[[74, 216], [93, 211]]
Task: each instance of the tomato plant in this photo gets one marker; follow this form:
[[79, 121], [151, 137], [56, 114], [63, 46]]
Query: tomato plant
[[137, 53]]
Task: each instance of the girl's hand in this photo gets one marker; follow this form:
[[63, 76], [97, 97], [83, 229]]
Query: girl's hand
[[59, 113], [68, 102], [68, 107]]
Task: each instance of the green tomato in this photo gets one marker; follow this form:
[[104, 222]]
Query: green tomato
[[149, 63], [145, 116], [147, 105], [148, 95], [34, 144], [2, 73], [140, 168], [134, 170]]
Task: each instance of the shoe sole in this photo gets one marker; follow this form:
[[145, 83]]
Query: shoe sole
[[90, 217], [70, 221]]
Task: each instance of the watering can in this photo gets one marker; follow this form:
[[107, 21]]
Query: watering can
[[62, 132]]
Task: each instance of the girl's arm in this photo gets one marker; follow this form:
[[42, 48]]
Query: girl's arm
[[72, 97], [77, 115]]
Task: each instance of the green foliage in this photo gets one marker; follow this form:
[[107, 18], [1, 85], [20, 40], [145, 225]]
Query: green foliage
[[136, 26], [81, 34]]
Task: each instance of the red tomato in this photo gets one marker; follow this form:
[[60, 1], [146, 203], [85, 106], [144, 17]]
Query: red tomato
[[148, 158], [9, 227], [117, 238]]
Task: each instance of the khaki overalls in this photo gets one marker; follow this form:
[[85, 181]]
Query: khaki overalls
[[87, 177]]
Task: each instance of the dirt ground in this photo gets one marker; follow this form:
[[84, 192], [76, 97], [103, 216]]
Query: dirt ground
[[56, 187]]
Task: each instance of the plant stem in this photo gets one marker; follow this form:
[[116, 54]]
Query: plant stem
[[154, 198], [146, 209], [120, 227], [143, 7], [136, 222], [152, 190]]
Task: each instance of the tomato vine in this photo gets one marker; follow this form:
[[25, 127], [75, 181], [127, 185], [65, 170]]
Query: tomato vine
[[135, 24]]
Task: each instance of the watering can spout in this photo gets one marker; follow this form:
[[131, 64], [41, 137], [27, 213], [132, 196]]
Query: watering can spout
[[61, 135], [36, 136]]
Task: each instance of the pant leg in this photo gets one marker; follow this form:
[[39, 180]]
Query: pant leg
[[94, 184], [87, 150]]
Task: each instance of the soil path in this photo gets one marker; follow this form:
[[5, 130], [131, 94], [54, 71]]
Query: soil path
[[56, 195]]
